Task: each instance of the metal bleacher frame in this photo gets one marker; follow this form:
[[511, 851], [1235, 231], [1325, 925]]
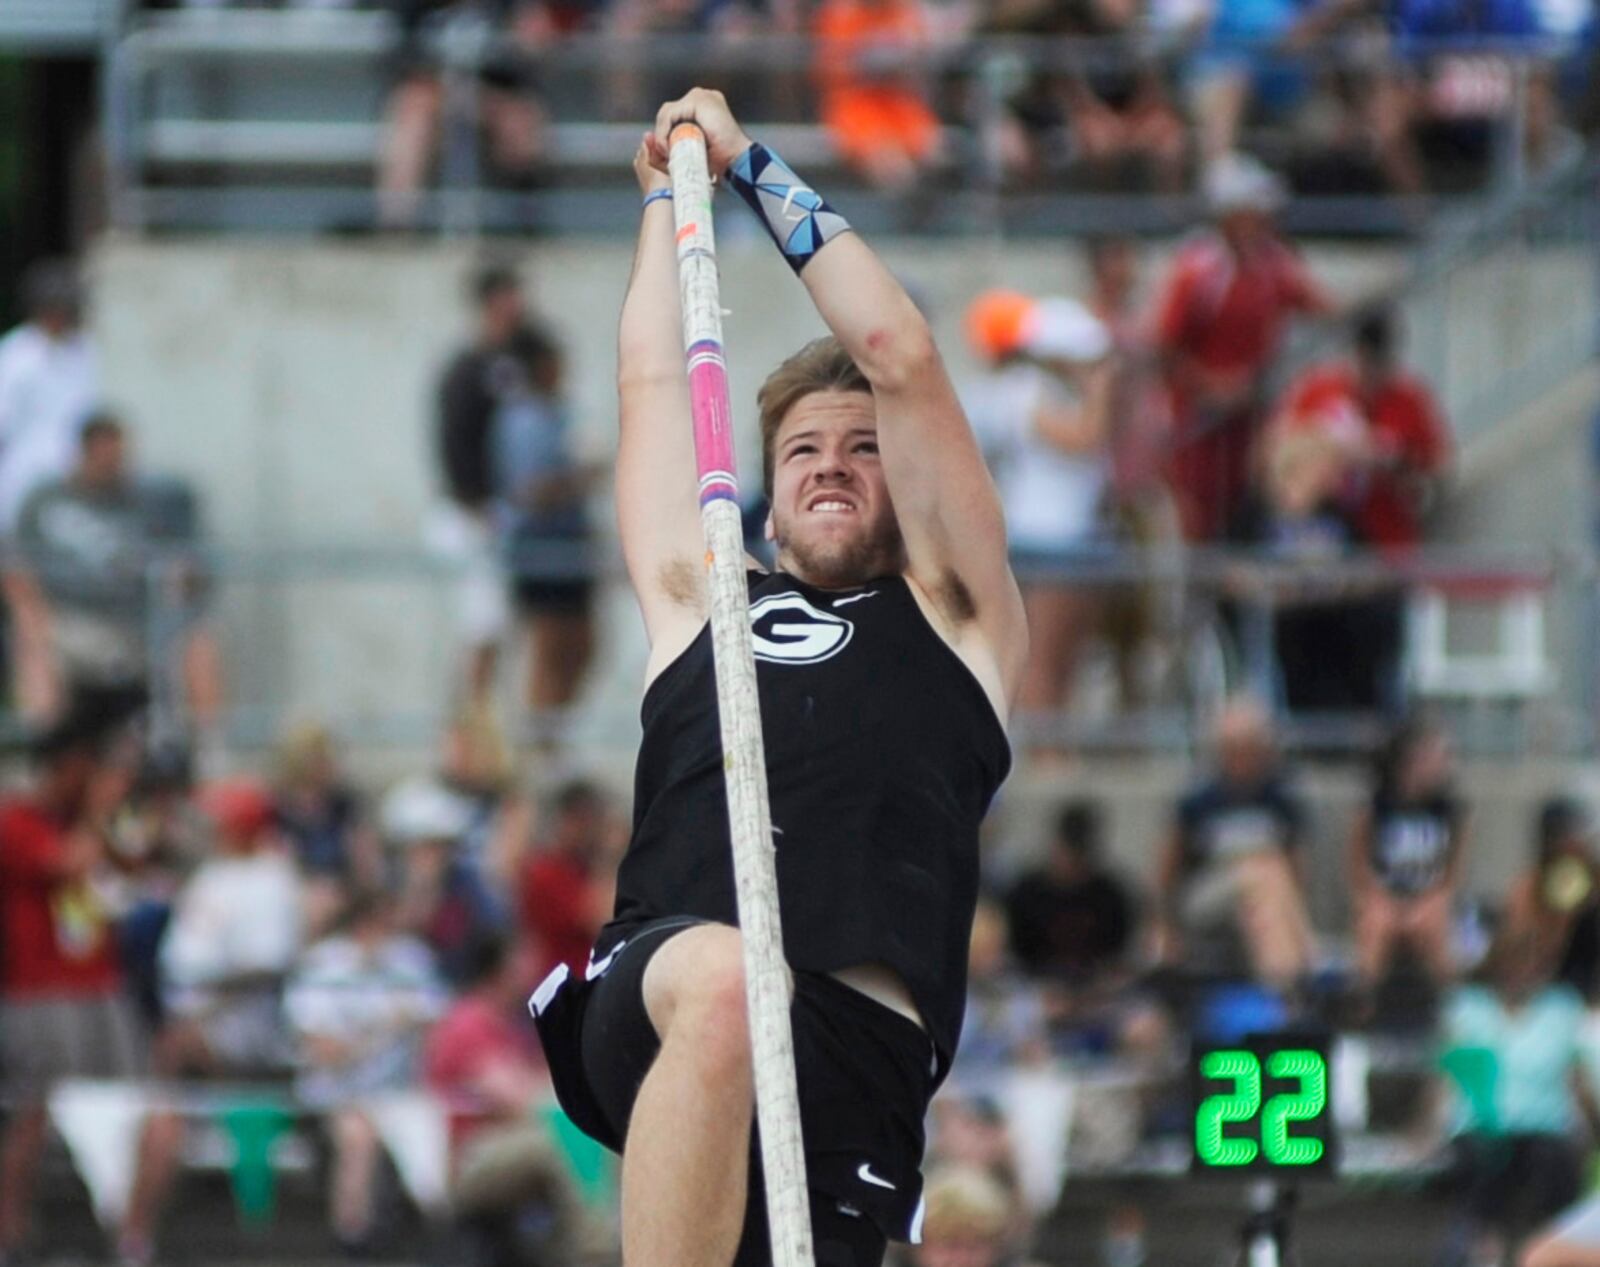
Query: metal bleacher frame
[[208, 152], [57, 26], [215, 169]]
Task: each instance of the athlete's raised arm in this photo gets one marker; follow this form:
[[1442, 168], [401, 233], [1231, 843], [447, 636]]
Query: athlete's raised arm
[[948, 511], [657, 515]]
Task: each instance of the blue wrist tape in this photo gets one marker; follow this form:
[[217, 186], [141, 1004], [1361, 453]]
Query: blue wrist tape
[[800, 222]]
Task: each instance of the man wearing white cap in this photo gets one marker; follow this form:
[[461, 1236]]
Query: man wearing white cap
[[1041, 412], [1226, 301]]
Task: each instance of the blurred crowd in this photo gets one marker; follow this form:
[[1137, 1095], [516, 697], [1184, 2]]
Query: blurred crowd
[[161, 923], [356, 952], [1348, 96], [297, 934], [1125, 426], [1087, 986], [348, 951]]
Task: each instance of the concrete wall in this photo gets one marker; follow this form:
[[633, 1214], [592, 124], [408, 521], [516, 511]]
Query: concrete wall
[[292, 379], [1531, 483], [1503, 322]]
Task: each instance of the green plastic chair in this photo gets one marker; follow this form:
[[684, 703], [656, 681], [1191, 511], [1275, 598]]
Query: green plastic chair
[[255, 1128]]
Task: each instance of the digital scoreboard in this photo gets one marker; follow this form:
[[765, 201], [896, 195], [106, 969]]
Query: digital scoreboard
[[1264, 1105]]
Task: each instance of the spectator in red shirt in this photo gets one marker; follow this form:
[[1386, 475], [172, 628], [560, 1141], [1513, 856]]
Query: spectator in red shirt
[[482, 1061], [1226, 302], [481, 1058], [565, 894], [62, 1010], [1405, 444]]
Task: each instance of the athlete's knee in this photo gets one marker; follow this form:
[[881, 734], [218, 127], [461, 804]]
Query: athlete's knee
[[711, 994], [695, 993]]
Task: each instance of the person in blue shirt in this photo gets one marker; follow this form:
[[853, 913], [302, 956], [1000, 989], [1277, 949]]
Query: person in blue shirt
[[542, 514]]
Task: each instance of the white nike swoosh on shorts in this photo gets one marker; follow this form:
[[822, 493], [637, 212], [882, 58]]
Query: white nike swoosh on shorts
[[598, 968], [866, 1176]]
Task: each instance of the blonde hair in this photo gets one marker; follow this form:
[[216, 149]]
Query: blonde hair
[[966, 1202], [821, 366]]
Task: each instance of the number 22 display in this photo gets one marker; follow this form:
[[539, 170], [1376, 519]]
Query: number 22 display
[[1262, 1106]]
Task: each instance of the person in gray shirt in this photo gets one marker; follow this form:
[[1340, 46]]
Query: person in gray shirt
[[80, 587]]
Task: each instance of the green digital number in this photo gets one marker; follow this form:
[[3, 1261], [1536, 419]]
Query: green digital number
[[1311, 1070], [1244, 1071], [1277, 1146]]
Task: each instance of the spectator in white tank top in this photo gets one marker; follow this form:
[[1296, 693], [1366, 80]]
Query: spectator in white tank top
[[1041, 413]]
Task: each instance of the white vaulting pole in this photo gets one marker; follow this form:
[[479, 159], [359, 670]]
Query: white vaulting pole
[[744, 756]]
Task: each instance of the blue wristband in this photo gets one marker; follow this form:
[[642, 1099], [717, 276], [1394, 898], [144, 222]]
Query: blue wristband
[[800, 222], [657, 195]]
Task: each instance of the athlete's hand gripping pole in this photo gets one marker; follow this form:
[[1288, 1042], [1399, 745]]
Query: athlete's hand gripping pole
[[744, 756]]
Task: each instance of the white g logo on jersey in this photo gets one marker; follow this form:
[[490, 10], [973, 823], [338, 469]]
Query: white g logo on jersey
[[788, 630]]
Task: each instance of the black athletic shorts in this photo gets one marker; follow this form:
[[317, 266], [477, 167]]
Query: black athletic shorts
[[865, 1076]]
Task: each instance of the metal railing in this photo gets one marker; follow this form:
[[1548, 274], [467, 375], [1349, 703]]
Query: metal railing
[[57, 26], [364, 640], [207, 121]]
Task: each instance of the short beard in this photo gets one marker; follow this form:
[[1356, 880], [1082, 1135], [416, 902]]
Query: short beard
[[881, 552]]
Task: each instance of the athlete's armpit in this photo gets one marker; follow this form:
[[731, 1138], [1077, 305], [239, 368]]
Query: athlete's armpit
[[954, 599], [680, 583]]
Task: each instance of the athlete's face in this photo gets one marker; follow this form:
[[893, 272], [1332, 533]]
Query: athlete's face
[[831, 518]]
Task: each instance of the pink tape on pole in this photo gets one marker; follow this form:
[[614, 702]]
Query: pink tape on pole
[[713, 422]]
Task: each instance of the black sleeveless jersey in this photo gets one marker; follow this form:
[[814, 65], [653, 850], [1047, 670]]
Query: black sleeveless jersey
[[883, 753]]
